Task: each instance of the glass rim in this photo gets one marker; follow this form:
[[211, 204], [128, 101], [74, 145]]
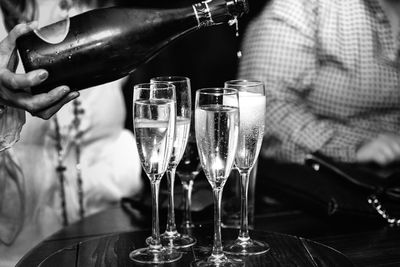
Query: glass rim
[[148, 86], [243, 82], [170, 79], [217, 91]]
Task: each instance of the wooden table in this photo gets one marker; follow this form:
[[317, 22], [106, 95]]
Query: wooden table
[[364, 244]]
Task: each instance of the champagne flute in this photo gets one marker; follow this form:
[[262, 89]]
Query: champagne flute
[[187, 171], [252, 106], [171, 236], [154, 116], [217, 129]]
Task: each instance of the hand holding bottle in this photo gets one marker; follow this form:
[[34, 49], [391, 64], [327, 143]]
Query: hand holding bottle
[[383, 150], [106, 44], [15, 88]]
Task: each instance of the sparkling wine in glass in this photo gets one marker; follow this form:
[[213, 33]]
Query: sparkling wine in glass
[[171, 236], [252, 106], [187, 171], [154, 115], [217, 129]]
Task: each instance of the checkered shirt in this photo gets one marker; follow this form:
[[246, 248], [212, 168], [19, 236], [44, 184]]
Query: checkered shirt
[[331, 70]]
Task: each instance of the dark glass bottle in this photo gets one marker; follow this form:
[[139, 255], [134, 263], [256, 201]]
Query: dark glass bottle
[[106, 44]]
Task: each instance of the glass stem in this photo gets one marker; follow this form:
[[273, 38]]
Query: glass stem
[[155, 242], [217, 246], [171, 226], [187, 201], [244, 223]]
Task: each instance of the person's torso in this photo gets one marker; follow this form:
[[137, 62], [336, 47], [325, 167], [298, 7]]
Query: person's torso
[[358, 77]]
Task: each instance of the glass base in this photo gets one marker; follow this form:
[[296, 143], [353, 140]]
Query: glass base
[[155, 256], [177, 240], [246, 247], [221, 261]]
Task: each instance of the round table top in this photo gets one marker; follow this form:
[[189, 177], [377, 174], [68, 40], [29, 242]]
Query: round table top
[[114, 249]]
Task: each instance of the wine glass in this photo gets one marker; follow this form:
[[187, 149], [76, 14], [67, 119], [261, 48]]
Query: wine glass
[[217, 129], [187, 171], [171, 236], [252, 106], [154, 119]]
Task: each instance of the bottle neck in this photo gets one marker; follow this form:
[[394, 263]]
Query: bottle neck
[[212, 12]]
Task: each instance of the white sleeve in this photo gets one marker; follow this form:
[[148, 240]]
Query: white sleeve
[[115, 174], [11, 198], [11, 122]]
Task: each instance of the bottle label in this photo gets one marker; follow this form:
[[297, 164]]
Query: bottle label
[[203, 14]]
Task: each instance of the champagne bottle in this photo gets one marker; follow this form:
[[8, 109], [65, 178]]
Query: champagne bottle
[[106, 44]]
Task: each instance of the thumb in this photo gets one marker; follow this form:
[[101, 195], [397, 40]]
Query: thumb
[[8, 44]]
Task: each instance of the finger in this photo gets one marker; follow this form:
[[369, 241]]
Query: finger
[[374, 152], [387, 151], [395, 146], [381, 159], [363, 156], [13, 61], [49, 112], [7, 45], [14, 81], [37, 103], [366, 152], [16, 32], [392, 142]]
